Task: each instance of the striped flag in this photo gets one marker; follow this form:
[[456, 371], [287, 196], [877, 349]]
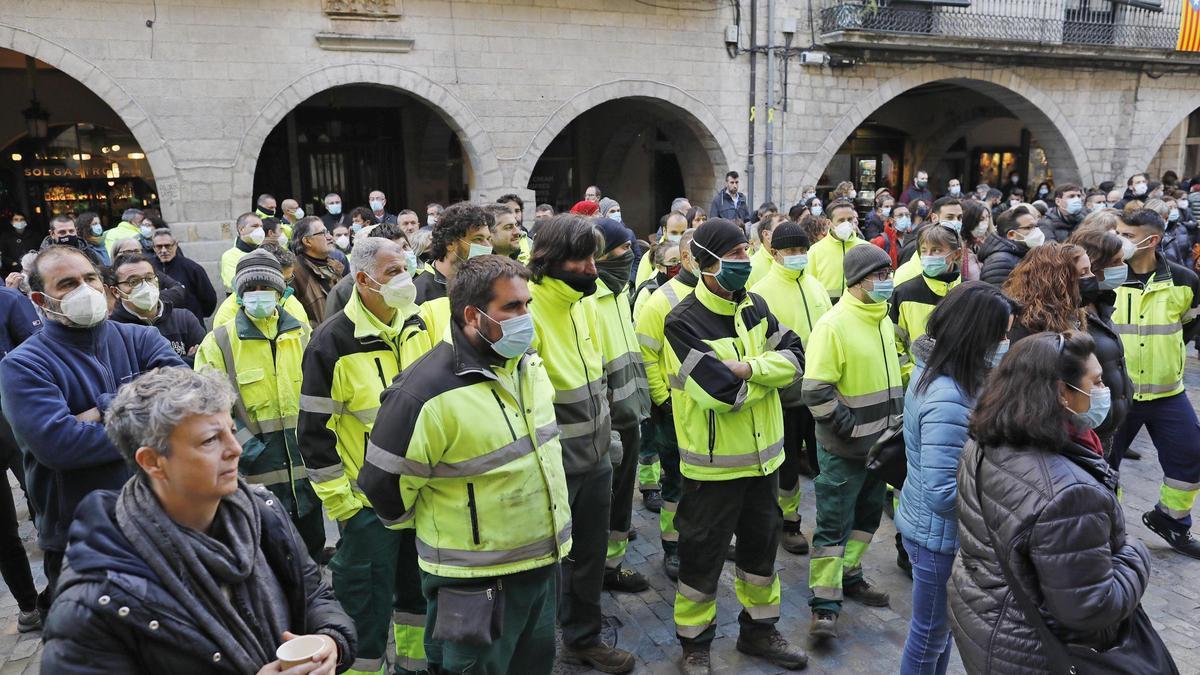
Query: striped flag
[[1189, 27]]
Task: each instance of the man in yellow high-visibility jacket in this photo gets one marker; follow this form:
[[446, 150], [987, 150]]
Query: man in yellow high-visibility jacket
[[1156, 316]]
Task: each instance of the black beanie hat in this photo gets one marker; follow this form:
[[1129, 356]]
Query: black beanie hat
[[715, 238], [789, 235]]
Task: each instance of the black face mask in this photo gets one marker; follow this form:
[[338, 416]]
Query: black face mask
[[68, 240], [577, 281], [270, 213], [1089, 290], [615, 272]]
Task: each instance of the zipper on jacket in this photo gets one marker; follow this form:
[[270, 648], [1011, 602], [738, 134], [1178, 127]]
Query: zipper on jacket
[[504, 412], [379, 369], [712, 434], [804, 303], [474, 513]]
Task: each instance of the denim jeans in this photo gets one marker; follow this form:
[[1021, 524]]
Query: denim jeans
[[927, 649]]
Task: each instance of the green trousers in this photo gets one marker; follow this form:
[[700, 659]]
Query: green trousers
[[527, 642], [376, 579], [849, 507]]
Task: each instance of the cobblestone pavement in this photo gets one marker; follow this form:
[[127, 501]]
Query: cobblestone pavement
[[872, 638]]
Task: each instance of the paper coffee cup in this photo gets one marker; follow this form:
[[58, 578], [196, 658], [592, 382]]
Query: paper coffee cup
[[299, 650]]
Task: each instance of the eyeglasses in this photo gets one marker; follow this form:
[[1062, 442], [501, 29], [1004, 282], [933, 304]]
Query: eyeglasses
[[133, 282], [165, 247]]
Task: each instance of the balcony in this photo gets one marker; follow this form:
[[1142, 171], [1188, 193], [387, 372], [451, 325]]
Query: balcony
[[1108, 30]]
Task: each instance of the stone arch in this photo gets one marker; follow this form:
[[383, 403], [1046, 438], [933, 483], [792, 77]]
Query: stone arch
[[931, 147], [717, 143], [1154, 142], [107, 89], [476, 142], [1032, 106]]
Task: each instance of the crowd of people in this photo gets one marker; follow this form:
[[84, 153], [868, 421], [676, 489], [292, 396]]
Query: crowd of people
[[476, 403]]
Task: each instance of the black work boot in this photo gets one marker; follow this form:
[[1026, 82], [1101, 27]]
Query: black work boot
[[863, 592], [695, 661], [599, 656], [624, 580], [652, 500], [671, 565], [1178, 536], [823, 626], [770, 645]]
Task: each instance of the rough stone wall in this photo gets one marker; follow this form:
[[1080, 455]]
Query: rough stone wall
[[202, 90]]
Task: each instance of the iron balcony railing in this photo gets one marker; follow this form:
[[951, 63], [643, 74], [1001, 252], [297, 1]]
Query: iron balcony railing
[[1118, 23]]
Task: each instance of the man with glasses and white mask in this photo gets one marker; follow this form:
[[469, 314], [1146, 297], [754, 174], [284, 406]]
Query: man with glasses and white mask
[[134, 284], [56, 386]]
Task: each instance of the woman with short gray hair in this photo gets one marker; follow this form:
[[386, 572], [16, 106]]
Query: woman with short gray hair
[[188, 568]]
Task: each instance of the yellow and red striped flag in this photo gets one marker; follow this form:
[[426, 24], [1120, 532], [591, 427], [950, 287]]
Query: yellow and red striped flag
[[1189, 27]]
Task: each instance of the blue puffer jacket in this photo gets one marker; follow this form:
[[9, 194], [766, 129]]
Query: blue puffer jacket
[[935, 431]]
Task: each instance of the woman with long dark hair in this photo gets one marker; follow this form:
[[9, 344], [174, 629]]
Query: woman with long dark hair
[[965, 338], [1044, 559], [1103, 248]]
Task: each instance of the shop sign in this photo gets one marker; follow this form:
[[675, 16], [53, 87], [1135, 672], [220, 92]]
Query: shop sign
[[63, 172]]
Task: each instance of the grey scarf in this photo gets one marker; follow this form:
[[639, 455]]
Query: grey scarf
[[221, 577]]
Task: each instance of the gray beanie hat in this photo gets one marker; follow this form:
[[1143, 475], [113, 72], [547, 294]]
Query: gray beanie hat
[[606, 205], [863, 260], [258, 268]]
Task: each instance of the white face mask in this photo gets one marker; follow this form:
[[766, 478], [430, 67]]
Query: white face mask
[[257, 235], [398, 292], [145, 231], [842, 231], [299, 214], [144, 297], [83, 307], [980, 230], [431, 220], [1035, 239], [343, 242]]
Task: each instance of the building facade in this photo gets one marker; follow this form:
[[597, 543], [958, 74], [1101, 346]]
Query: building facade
[[219, 100]]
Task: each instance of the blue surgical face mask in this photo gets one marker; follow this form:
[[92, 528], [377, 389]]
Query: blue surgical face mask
[[881, 291], [903, 224], [355, 227], [997, 354], [412, 261], [795, 262], [934, 265], [478, 249], [1173, 215], [615, 215], [816, 210], [955, 190], [1114, 277], [97, 229], [259, 304], [516, 335], [955, 225], [1074, 205], [1101, 401], [334, 209]]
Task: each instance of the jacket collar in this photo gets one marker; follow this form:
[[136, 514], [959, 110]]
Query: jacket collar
[[243, 246], [943, 283], [716, 303], [874, 311], [686, 278], [246, 330], [557, 292], [79, 337], [786, 274], [367, 325]]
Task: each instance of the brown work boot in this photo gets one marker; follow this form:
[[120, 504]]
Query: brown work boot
[[823, 626], [866, 594], [770, 645], [793, 540], [600, 657]]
